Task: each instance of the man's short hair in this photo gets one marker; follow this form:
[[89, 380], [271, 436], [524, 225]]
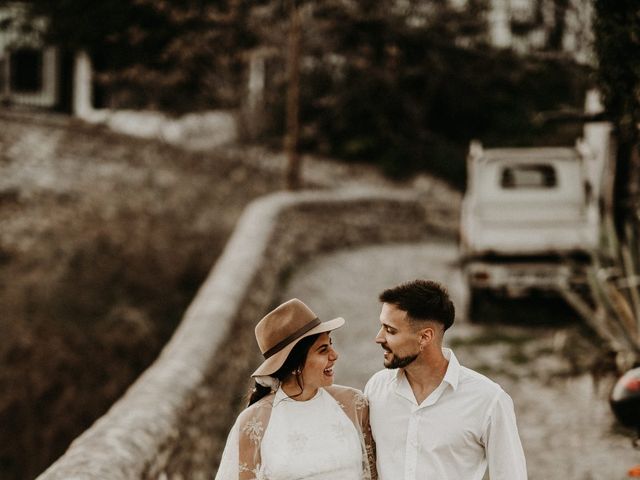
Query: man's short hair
[[422, 300]]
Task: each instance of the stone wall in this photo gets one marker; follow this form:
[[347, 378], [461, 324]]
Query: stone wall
[[173, 421]]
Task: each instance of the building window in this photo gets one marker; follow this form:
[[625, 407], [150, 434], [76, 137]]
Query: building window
[[26, 70]]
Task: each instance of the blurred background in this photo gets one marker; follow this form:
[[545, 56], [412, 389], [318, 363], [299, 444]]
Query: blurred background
[[134, 132]]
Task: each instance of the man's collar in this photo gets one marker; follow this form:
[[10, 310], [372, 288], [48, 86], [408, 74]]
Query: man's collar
[[452, 375]]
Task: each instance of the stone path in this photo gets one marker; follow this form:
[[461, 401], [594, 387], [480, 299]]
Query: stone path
[[565, 423]]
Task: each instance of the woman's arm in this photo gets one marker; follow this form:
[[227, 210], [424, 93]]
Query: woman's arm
[[369, 443]]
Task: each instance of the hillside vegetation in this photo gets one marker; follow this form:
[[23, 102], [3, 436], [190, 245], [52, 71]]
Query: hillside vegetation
[[103, 243]]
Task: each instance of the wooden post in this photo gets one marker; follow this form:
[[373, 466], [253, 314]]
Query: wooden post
[[254, 105], [82, 85]]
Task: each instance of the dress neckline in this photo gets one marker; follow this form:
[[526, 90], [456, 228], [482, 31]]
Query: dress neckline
[[281, 395]]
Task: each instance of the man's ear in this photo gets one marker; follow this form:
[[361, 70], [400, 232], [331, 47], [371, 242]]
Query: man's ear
[[427, 335], [431, 333]]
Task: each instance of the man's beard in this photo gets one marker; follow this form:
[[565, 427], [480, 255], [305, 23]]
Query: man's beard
[[399, 362]]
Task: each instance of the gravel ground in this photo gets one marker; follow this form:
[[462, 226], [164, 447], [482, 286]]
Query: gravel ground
[[566, 426]]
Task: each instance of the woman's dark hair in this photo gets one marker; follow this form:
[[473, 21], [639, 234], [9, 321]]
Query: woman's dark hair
[[296, 359]]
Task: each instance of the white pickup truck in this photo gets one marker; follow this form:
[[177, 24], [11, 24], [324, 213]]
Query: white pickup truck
[[529, 221]]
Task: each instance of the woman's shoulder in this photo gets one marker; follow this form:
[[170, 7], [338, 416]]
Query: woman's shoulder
[[343, 389], [344, 392], [260, 407]]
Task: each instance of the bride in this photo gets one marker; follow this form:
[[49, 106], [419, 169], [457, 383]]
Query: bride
[[298, 425]]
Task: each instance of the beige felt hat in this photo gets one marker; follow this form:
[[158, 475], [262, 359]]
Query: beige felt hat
[[279, 331]]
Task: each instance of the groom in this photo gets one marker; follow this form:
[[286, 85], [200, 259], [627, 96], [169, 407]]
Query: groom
[[430, 416]]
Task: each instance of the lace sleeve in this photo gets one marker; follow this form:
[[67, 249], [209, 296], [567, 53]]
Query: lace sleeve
[[228, 469], [250, 435], [369, 443], [241, 457], [356, 407]]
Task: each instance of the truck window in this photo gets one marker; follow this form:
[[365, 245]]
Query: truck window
[[528, 176]]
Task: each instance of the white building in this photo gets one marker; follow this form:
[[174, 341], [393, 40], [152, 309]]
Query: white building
[[33, 74], [29, 73], [526, 26]]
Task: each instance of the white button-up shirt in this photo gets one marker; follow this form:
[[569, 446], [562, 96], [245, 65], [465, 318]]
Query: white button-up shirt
[[465, 424]]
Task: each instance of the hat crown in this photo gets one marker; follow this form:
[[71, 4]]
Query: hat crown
[[282, 323]]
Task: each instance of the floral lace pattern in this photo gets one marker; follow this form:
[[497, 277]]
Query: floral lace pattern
[[242, 458], [254, 430]]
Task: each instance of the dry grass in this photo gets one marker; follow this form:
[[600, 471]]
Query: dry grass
[[103, 242], [612, 308]]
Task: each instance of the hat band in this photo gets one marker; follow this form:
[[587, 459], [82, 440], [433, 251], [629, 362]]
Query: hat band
[[290, 338]]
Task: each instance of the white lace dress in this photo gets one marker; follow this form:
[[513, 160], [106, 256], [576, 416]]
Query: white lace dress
[[314, 439]]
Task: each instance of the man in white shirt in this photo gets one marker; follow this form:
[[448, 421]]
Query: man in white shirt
[[431, 417]]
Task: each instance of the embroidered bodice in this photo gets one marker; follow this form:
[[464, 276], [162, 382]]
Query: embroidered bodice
[[311, 440], [324, 438]]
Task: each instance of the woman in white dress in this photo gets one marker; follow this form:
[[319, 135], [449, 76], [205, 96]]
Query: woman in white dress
[[298, 425]]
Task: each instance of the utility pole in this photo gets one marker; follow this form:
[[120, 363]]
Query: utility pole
[[292, 133]]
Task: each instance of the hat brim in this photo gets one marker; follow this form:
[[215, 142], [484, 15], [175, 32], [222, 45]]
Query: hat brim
[[274, 362]]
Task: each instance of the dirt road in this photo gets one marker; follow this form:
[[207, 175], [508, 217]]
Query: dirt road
[[566, 427]]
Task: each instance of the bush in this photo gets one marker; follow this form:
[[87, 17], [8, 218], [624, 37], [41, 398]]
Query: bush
[[89, 330], [97, 268], [56, 381]]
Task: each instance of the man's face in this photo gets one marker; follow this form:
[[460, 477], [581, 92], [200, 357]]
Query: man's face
[[397, 337]]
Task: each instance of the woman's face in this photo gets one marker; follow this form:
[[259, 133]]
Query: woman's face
[[318, 367]]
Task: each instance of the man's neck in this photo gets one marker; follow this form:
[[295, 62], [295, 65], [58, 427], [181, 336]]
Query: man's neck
[[426, 372]]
